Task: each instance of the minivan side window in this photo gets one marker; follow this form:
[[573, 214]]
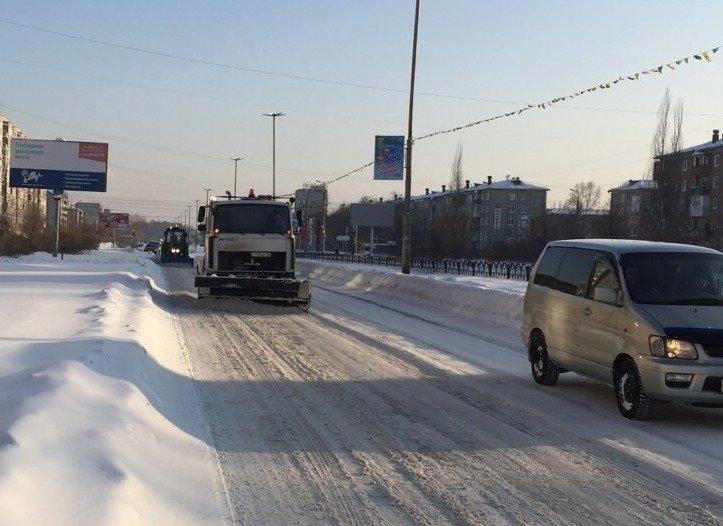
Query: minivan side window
[[547, 268], [575, 269], [604, 276]]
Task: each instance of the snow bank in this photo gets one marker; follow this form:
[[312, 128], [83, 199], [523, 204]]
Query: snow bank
[[492, 299], [99, 420]]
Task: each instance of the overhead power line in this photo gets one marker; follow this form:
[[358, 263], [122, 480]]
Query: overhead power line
[[248, 69]]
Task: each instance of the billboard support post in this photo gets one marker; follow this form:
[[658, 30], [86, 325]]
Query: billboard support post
[[57, 197], [371, 241]]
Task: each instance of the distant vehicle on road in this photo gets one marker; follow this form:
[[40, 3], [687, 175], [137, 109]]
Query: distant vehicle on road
[[174, 246], [249, 250], [645, 317], [151, 246]]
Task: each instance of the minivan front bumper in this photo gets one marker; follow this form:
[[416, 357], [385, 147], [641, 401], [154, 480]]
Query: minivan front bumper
[[653, 370]]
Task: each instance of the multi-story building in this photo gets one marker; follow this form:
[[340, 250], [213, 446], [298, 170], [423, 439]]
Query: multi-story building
[[635, 210], [91, 213], [690, 184], [17, 205], [494, 214]]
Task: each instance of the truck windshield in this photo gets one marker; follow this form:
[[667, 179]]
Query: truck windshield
[[674, 278], [251, 219]]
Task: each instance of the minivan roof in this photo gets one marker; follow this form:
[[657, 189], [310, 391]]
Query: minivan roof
[[623, 246]]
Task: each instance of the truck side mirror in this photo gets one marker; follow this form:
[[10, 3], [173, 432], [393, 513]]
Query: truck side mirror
[[299, 219], [201, 227], [201, 214]]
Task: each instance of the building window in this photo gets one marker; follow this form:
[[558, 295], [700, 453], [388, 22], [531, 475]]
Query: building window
[[716, 160], [510, 208], [685, 165], [523, 209], [715, 202], [715, 182], [511, 196], [510, 221], [682, 185]]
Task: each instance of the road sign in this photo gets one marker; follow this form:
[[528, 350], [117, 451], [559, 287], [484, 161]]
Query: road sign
[[343, 238], [113, 220], [389, 157], [59, 165]]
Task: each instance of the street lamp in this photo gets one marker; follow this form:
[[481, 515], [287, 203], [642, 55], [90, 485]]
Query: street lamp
[[235, 171], [273, 149]]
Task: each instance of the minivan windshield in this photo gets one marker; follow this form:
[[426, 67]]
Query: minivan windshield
[[674, 278], [251, 219]]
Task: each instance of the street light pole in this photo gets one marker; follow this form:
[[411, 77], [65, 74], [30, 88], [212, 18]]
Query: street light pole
[[273, 149], [207, 190], [235, 172], [406, 219]]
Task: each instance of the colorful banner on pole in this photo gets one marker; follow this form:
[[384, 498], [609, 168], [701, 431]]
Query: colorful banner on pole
[[388, 157]]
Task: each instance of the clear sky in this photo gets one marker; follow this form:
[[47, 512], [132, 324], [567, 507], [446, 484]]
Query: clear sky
[[172, 124]]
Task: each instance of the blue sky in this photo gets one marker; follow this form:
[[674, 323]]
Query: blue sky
[[171, 124]]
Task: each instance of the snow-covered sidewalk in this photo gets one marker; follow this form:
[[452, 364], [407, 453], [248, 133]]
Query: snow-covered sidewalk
[[100, 422]]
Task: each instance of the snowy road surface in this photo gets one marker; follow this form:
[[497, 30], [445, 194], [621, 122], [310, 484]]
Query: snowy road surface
[[374, 410]]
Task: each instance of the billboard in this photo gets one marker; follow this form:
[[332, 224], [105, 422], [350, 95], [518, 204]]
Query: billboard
[[389, 157], [59, 165], [113, 220], [379, 215]]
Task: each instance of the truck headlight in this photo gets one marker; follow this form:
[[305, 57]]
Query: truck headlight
[[672, 348]]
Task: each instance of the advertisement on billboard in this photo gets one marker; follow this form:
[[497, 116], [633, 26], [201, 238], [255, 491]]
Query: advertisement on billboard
[[59, 165], [389, 157], [113, 220]]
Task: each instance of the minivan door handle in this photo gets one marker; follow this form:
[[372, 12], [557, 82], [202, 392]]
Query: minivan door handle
[[586, 311]]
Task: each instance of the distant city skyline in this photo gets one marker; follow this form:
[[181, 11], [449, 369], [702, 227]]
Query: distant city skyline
[[173, 125]]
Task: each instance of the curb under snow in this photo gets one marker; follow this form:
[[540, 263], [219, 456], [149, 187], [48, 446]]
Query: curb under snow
[[490, 299]]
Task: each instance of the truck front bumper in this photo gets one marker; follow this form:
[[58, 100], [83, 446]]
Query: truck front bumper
[[255, 287]]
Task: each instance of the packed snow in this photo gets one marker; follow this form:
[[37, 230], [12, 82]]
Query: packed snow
[[494, 300], [100, 422]]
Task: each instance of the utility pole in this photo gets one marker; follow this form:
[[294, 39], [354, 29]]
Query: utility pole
[[407, 219], [235, 172], [273, 149], [195, 237]]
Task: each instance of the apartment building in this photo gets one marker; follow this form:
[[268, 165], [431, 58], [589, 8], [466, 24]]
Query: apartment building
[[690, 191], [17, 205]]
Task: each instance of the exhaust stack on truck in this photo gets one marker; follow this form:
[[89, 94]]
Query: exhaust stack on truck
[[249, 244]]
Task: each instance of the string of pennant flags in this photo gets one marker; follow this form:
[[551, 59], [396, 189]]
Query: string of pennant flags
[[703, 56]]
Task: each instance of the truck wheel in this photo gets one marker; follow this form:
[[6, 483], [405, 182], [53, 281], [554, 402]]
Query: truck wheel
[[633, 401], [544, 371]]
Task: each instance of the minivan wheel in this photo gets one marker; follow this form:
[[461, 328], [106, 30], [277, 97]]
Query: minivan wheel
[[633, 401], [544, 371]]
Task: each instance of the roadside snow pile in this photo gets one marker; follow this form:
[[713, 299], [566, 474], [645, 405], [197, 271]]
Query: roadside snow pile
[[99, 420], [492, 299]]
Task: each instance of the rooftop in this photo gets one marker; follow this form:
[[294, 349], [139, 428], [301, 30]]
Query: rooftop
[[636, 184], [716, 142], [514, 183]]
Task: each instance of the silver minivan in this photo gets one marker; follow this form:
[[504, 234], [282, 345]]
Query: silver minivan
[[645, 317]]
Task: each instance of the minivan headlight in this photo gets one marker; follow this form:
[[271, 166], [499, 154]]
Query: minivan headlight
[[671, 348]]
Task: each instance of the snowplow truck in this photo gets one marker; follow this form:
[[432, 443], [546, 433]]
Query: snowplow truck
[[249, 244], [174, 246]]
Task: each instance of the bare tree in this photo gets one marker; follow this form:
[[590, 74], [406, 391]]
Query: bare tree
[[676, 134], [660, 136], [583, 198]]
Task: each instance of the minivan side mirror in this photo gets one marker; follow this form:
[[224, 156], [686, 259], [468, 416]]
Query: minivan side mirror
[[201, 214], [607, 294], [299, 218]]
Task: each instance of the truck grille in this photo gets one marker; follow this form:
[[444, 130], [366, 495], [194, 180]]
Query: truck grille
[[252, 261]]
